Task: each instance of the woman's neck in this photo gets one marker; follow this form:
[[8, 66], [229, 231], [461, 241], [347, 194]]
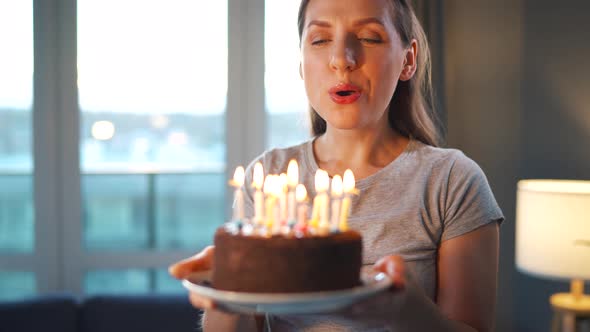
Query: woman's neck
[[363, 151]]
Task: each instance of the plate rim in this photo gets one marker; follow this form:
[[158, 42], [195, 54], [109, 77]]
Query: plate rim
[[370, 284]]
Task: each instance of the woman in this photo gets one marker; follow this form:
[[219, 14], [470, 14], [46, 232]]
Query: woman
[[427, 215]]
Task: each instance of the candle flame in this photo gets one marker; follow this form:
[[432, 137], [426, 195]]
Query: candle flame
[[348, 182], [322, 180], [300, 193], [239, 176], [336, 185], [283, 182], [267, 184], [258, 176], [293, 173], [277, 185]]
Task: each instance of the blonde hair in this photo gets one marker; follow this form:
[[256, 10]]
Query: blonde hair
[[411, 109]]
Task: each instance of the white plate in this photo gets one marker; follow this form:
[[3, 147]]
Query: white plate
[[286, 303]]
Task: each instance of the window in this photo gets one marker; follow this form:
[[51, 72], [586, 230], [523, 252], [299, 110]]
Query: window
[[16, 160], [142, 109], [152, 137]]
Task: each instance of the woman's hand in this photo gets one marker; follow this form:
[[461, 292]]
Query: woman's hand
[[202, 261], [395, 268], [404, 285]]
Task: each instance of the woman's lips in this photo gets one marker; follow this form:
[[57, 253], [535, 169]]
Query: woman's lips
[[344, 93]]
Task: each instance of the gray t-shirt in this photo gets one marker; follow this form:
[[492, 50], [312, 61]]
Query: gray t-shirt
[[425, 196]]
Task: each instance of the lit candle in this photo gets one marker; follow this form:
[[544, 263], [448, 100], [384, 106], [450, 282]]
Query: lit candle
[[301, 196], [279, 183], [282, 196], [270, 201], [258, 179], [322, 182], [238, 182], [336, 196], [293, 181], [348, 184], [315, 209]]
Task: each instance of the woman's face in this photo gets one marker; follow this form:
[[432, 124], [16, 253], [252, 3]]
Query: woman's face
[[352, 59]]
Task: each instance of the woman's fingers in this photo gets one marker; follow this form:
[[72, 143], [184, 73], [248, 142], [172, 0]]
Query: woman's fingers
[[199, 262], [395, 268], [200, 302]]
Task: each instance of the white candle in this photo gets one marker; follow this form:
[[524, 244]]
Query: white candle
[[293, 181], [301, 196], [348, 184], [238, 182], [279, 208], [315, 209], [336, 195], [258, 179]]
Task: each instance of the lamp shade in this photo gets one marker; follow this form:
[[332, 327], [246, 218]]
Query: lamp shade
[[553, 228]]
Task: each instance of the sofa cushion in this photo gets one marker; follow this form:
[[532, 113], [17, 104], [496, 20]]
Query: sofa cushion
[[143, 313], [48, 313]]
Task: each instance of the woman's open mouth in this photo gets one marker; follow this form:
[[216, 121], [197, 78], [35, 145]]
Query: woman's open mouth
[[344, 93]]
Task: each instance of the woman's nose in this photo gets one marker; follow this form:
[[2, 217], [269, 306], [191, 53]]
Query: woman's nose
[[343, 56]]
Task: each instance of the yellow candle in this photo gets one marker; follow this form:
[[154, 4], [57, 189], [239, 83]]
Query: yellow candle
[[315, 210], [270, 201], [258, 179], [322, 183], [336, 195], [348, 184], [282, 195]]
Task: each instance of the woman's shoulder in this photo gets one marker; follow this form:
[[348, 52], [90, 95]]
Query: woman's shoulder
[[450, 159], [438, 154]]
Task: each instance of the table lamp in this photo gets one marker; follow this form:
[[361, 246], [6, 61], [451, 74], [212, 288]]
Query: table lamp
[[553, 239]]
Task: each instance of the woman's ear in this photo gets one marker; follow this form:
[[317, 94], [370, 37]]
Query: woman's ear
[[409, 68]]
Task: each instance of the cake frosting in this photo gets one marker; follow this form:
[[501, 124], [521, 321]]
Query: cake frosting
[[286, 264]]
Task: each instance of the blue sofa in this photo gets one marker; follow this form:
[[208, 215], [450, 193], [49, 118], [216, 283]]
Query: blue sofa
[[112, 313]]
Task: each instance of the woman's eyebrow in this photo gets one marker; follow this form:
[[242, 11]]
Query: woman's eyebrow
[[368, 20], [319, 23], [359, 22]]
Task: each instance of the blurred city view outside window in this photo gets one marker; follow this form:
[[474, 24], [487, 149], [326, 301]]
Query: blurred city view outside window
[[286, 102], [16, 98], [130, 281], [16, 159], [152, 98]]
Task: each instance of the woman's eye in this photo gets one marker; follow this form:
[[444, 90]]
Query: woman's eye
[[319, 41], [371, 40]]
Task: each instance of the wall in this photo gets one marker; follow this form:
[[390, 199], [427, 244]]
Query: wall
[[517, 101], [556, 114]]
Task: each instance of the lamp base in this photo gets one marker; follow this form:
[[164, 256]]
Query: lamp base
[[579, 305]]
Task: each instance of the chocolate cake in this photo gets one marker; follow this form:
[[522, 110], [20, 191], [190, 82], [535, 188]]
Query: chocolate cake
[[286, 263]]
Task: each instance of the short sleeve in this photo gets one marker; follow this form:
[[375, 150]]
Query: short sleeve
[[470, 202]]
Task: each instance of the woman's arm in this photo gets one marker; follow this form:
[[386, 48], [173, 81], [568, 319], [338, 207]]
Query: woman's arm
[[467, 277], [466, 297], [214, 320]]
